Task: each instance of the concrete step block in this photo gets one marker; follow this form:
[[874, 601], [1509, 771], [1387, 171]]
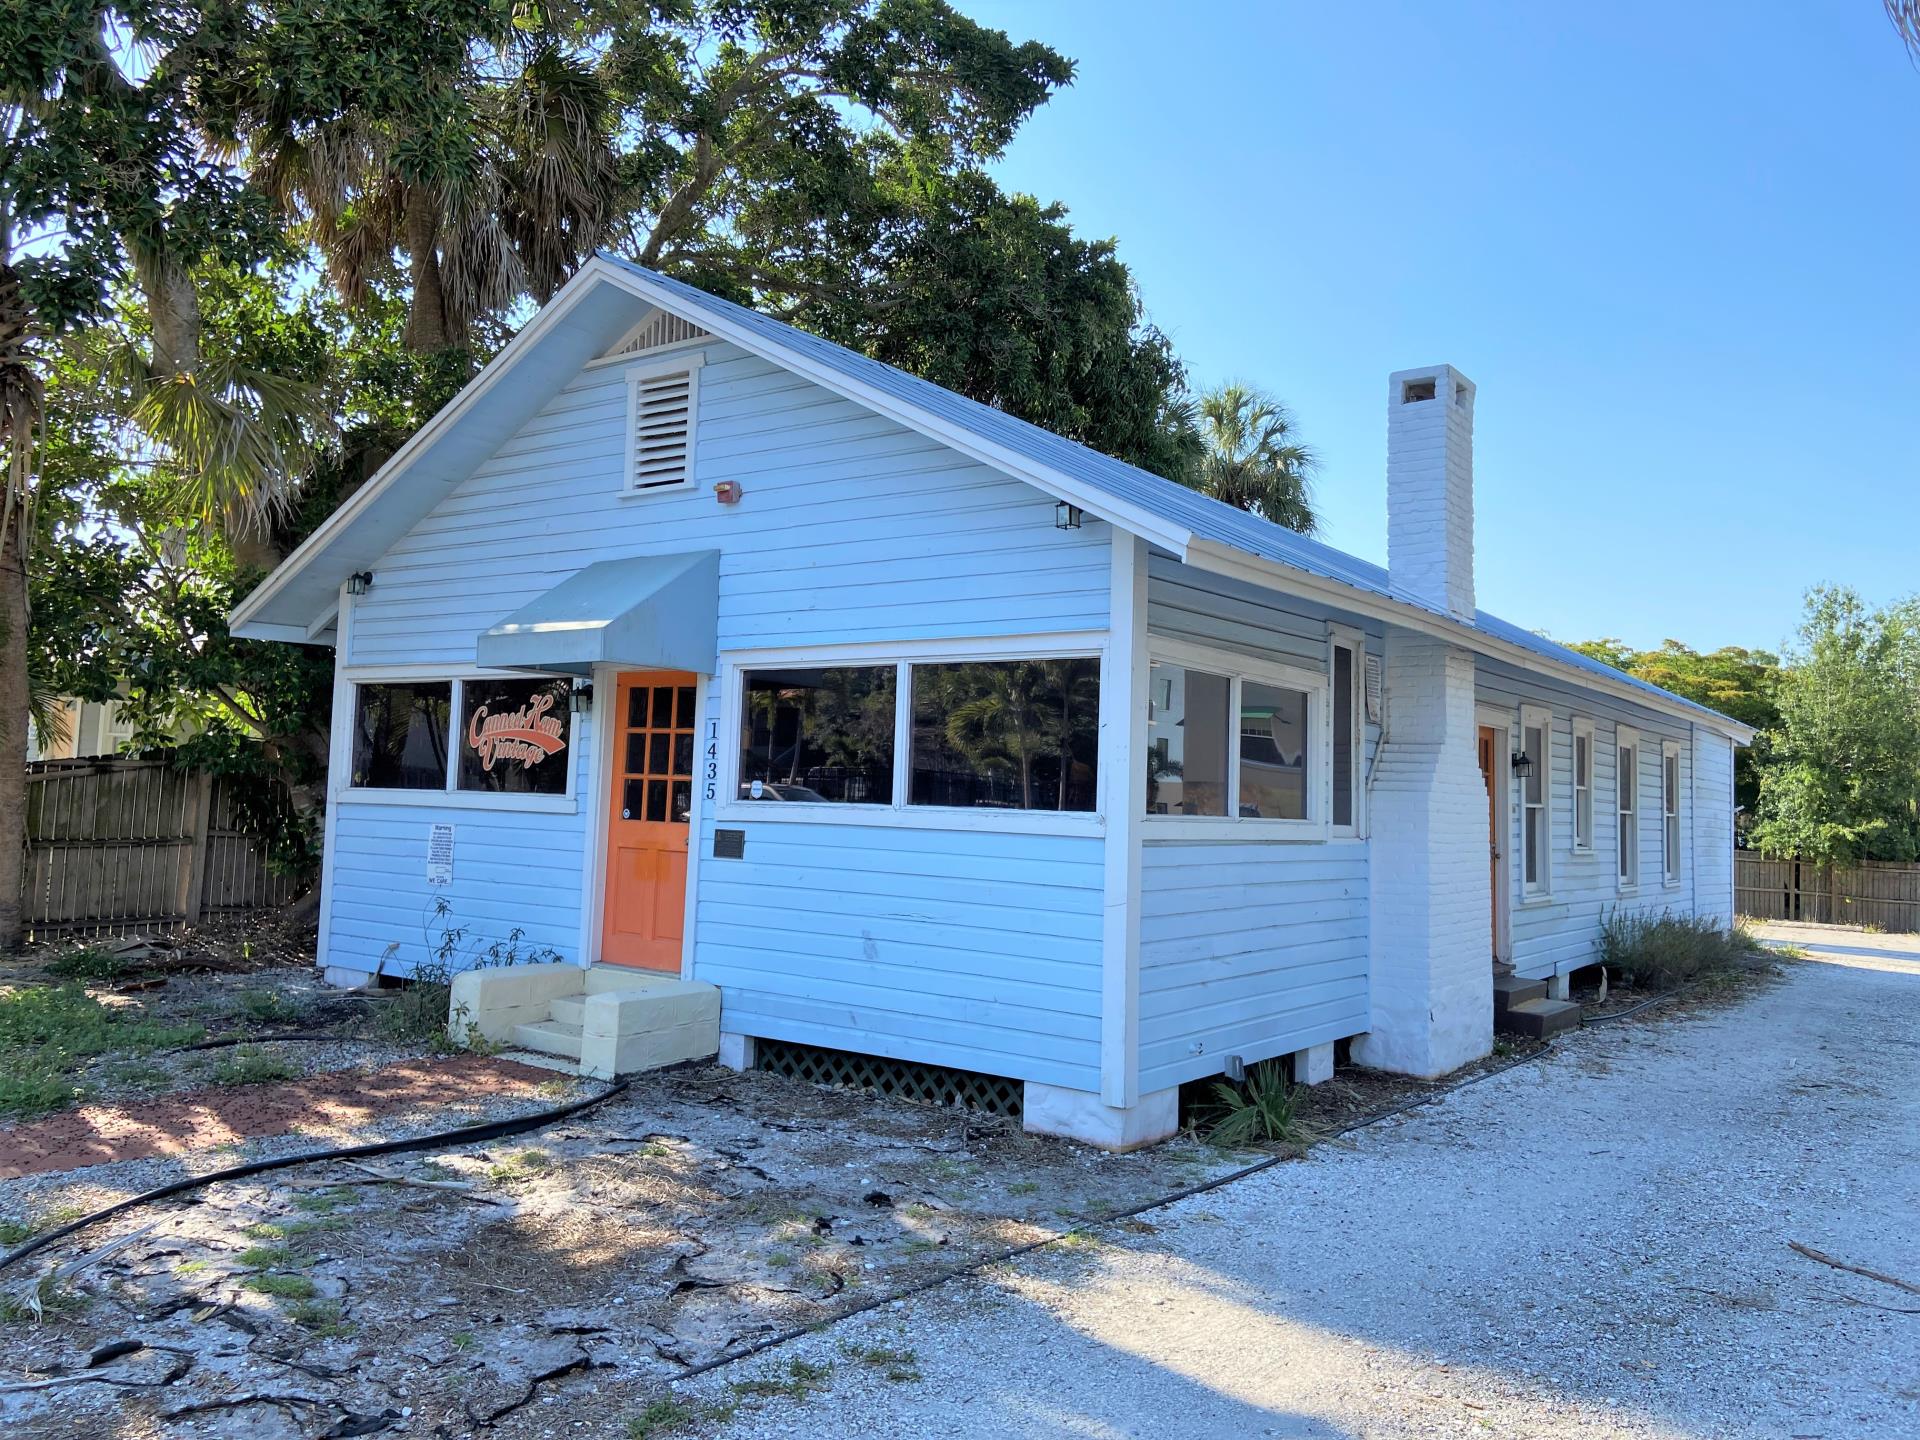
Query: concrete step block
[[1538, 1019], [1511, 990], [568, 1010], [549, 1037]]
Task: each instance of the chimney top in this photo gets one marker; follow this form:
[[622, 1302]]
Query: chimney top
[[1430, 488]]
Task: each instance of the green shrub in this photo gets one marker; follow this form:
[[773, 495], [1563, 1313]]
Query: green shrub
[[1660, 952], [1261, 1111], [267, 1007], [91, 963]]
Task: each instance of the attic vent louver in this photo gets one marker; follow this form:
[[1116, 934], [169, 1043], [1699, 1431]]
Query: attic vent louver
[[657, 330], [662, 410]]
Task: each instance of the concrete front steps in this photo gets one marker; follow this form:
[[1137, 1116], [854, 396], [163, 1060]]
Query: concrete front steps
[[610, 1020], [1521, 1007]]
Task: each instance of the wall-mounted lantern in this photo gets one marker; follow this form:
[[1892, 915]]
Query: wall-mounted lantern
[[581, 700], [1065, 516], [360, 582], [1522, 765]]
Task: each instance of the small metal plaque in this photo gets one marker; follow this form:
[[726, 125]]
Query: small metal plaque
[[729, 844]]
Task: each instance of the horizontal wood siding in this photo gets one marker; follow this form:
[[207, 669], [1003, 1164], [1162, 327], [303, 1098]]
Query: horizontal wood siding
[[962, 948], [1558, 933], [1713, 824], [511, 871], [1253, 950], [850, 527]]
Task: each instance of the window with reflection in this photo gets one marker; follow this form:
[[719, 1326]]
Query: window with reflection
[[1186, 741], [1273, 752], [1006, 734], [515, 736], [818, 736], [400, 735]]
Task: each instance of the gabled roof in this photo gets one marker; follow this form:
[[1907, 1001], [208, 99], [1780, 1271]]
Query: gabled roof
[[1197, 529]]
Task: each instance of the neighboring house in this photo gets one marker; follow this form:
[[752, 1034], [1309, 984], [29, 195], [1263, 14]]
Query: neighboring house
[[93, 728], [686, 641]]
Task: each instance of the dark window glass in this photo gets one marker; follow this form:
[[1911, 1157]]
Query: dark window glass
[[400, 736], [818, 735], [1342, 735], [1007, 734], [516, 736], [637, 708], [1186, 741], [1273, 752]]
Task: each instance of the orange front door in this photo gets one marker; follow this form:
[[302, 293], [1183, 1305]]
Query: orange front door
[[647, 825], [1489, 738]]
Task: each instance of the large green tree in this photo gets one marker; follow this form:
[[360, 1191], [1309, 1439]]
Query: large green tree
[[1843, 782], [1733, 680]]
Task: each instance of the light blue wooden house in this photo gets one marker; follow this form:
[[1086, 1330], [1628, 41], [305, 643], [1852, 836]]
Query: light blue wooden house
[[782, 703]]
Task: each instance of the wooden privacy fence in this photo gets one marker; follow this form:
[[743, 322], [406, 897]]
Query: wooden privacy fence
[[117, 845], [1881, 893]]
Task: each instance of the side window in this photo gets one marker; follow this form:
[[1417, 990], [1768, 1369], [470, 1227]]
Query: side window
[[1627, 779], [1346, 670], [1582, 785], [1536, 742], [400, 735], [1186, 741], [1670, 811]]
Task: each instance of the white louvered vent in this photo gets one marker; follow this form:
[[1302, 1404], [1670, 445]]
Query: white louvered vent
[[662, 410], [657, 330]]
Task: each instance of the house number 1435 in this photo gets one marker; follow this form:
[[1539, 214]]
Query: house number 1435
[[712, 769]]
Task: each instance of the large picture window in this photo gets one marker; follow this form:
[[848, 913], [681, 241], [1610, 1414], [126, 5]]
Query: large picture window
[[400, 734], [1234, 748], [818, 735], [1006, 734], [514, 736]]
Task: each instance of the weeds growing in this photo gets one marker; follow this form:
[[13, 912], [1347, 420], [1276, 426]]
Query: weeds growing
[[1665, 950], [250, 1065], [47, 1033]]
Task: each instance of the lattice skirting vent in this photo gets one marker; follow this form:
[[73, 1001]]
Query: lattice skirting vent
[[903, 1079]]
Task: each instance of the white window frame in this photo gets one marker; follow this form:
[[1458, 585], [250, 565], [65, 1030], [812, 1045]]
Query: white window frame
[[1672, 836], [1345, 637], [1581, 796], [650, 366], [451, 797], [1237, 668], [898, 814], [1625, 740], [1538, 717]]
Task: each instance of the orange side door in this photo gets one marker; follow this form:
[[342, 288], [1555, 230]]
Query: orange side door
[[647, 820]]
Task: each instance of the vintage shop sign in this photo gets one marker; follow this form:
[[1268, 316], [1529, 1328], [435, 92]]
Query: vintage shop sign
[[527, 735]]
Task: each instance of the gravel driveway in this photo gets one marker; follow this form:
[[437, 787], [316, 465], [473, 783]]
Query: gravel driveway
[[1592, 1244]]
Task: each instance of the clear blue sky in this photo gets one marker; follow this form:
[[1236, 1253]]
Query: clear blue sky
[[1677, 247]]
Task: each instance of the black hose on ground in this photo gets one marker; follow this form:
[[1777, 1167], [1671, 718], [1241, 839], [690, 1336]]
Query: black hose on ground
[[465, 1135], [219, 1042]]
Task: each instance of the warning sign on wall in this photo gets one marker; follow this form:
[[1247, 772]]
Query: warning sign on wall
[[440, 855]]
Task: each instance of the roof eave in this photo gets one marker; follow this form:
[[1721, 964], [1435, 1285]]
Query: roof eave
[[1226, 560]]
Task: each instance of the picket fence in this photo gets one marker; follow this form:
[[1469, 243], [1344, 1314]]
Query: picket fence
[[116, 846], [1882, 894]]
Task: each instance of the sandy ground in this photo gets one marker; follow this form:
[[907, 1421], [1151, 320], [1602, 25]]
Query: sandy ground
[[1592, 1244]]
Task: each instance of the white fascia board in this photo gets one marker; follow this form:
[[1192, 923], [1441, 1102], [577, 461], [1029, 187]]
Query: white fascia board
[[1273, 574], [1156, 529], [241, 622]]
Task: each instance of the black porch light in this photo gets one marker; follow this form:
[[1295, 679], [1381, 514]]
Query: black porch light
[[360, 582], [1522, 765], [581, 700], [1065, 516]]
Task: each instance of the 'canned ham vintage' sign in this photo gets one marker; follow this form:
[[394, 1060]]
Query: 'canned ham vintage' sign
[[527, 735]]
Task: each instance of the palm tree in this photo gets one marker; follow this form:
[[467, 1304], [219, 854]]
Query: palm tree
[[1251, 460], [1905, 15], [500, 192]]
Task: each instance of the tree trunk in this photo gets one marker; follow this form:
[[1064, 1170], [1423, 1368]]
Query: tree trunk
[[13, 739], [427, 328], [173, 309]]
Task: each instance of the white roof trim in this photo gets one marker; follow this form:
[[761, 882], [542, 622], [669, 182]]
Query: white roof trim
[[1225, 560]]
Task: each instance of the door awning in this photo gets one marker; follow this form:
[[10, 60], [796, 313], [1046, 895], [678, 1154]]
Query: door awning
[[656, 612]]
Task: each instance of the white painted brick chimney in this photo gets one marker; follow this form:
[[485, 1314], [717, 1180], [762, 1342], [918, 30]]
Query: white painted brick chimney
[[1430, 488]]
